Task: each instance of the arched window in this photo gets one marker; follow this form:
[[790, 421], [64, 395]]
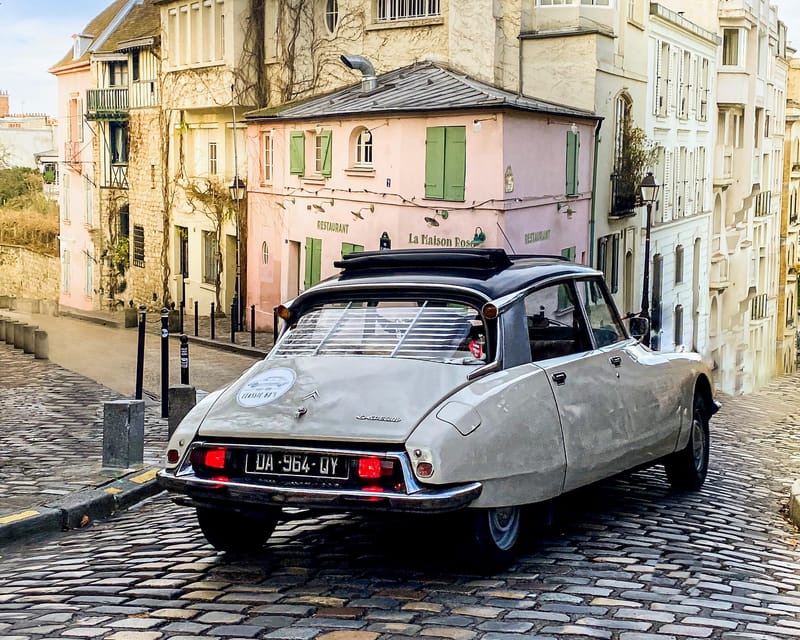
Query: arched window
[[331, 15], [624, 189], [362, 151]]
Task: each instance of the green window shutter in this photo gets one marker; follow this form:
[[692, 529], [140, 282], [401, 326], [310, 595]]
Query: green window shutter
[[316, 261], [309, 260], [297, 153], [349, 247], [573, 146], [455, 163], [563, 295], [434, 163], [327, 137]]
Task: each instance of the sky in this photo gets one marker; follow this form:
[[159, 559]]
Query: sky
[[35, 34]]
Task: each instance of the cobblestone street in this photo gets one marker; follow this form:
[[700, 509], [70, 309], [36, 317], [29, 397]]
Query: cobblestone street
[[628, 559]]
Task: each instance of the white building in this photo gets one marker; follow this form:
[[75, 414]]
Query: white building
[[681, 114]]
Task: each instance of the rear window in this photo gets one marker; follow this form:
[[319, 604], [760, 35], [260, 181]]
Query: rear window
[[429, 330]]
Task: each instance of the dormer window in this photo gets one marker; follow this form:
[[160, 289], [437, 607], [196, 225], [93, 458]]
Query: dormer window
[[80, 45]]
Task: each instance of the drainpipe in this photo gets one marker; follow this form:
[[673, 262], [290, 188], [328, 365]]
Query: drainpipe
[[369, 81], [594, 192]]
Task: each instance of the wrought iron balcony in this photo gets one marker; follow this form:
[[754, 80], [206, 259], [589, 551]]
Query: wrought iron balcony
[[623, 201], [107, 104], [758, 307], [763, 203]]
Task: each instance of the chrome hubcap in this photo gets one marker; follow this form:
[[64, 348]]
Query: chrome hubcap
[[504, 526]]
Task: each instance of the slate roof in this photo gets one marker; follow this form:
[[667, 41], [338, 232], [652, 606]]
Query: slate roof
[[143, 21], [421, 87], [95, 28]]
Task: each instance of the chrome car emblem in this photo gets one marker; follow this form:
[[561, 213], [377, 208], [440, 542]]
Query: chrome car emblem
[[314, 394], [379, 418]]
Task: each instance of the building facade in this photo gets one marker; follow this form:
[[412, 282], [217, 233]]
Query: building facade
[[681, 110]]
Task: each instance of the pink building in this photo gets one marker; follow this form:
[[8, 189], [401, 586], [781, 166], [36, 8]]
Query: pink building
[[421, 156]]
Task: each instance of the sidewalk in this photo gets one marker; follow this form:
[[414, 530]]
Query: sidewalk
[[51, 414]]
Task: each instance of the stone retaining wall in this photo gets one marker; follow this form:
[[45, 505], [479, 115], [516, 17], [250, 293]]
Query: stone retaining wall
[[28, 274]]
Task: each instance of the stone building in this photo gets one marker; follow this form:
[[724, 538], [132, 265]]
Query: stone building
[[748, 181]]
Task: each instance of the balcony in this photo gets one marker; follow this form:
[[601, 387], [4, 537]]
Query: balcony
[[623, 203], [763, 204], [723, 165], [719, 277], [116, 176], [107, 104]]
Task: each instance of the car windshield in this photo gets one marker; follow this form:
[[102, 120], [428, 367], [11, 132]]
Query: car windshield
[[424, 329]]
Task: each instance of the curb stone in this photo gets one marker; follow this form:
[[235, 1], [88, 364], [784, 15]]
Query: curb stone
[[794, 503], [80, 508]]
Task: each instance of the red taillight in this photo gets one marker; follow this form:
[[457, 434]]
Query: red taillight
[[369, 468], [209, 458], [172, 456]]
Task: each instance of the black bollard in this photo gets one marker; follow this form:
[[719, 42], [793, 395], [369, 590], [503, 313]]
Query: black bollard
[[184, 359], [233, 322], [196, 318], [140, 352], [274, 324], [164, 362], [235, 314], [252, 325], [212, 320], [183, 305]]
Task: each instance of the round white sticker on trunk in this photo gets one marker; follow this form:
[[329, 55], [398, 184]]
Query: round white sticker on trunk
[[266, 387]]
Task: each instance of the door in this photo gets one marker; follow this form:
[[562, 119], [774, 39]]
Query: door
[[584, 383]]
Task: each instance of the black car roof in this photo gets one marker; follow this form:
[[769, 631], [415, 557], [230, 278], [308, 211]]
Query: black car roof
[[490, 272]]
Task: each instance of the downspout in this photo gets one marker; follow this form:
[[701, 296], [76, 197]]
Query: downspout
[[594, 192]]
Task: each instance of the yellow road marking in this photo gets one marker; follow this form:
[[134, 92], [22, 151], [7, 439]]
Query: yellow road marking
[[16, 517], [144, 477], [113, 490]]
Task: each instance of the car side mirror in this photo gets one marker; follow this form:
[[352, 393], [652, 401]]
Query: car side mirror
[[639, 327]]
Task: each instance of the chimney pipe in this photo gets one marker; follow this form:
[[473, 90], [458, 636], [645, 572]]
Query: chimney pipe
[[369, 81]]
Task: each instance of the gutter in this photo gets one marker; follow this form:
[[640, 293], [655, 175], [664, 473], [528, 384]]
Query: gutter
[[593, 209]]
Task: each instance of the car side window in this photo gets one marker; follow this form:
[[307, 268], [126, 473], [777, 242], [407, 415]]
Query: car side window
[[604, 322], [555, 324]]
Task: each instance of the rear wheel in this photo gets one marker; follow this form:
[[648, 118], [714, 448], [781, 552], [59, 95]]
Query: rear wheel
[[231, 531], [687, 469], [492, 537]]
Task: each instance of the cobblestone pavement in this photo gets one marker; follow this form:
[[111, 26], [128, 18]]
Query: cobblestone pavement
[[51, 431], [628, 559]]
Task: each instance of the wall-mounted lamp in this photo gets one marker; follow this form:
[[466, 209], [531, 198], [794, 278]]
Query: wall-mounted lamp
[[574, 128], [357, 214], [318, 129], [282, 205], [317, 207], [479, 237], [476, 123], [440, 213], [564, 207]]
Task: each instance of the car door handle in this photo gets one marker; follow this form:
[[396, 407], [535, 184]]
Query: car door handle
[[615, 360], [559, 378]]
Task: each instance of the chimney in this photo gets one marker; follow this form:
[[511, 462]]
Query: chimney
[[369, 81], [3, 104]]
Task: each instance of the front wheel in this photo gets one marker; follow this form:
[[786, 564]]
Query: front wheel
[[231, 531], [686, 469], [492, 536]]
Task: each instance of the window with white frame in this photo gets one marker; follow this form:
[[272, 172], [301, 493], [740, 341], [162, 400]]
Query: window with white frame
[[702, 90], [679, 260], [266, 157], [65, 271], [363, 149], [88, 274], [195, 32], [732, 43], [661, 85], [683, 98], [392, 10], [212, 158], [331, 15]]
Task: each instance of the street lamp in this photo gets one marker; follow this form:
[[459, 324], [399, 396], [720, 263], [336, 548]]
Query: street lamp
[[649, 188], [237, 190]]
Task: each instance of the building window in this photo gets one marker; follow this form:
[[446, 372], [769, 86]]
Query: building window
[[75, 128], [118, 74], [679, 264], [264, 252], [702, 91], [322, 153], [88, 274], [210, 256], [212, 158], [65, 271], [678, 325], [445, 163], [391, 10], [138, 245], [266, 157], [65, 196], [136, 70], [118, 141], [331, 15], [730, 47], [624, 190], [656, 299], [573, 149], [363, 149], [124, 222]]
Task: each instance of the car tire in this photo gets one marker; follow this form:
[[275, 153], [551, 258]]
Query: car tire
[[686, 469], [492, 537], [231, 531]]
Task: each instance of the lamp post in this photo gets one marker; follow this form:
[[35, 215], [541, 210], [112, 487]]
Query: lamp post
[[649, 188], [237, 195]]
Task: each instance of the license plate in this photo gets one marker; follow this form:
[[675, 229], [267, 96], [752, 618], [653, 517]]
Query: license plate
[[306, 465]]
